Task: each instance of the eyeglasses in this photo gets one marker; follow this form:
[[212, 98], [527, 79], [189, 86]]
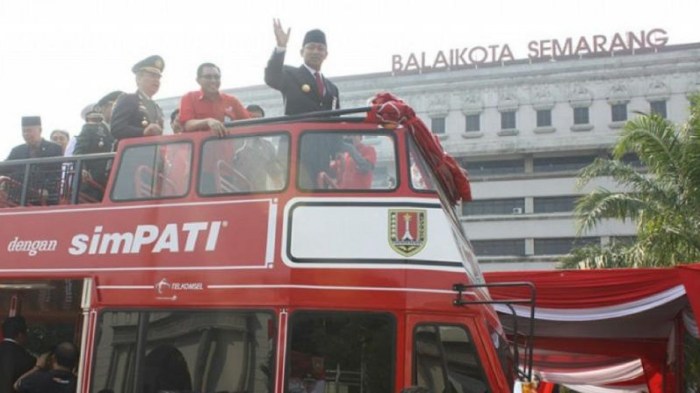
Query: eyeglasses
[[211, 77]]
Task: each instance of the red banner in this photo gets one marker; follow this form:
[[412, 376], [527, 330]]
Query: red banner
[[194, 235]]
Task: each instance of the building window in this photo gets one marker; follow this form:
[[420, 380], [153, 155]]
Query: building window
[[581, 115], [473, 123], [623, 240], [658, 107], [437, 124], [558, 204], [501, 247], [562, 246], [491, 168], [494, 206], [508, 120], [561, 164], [544, 118], [632, 160], [618, 112]]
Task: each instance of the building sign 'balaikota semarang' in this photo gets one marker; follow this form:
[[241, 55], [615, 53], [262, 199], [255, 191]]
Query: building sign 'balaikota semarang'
[[536, 49]]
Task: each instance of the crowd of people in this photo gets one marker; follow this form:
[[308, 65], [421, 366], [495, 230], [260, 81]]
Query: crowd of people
[[119, 115], [20, 371]]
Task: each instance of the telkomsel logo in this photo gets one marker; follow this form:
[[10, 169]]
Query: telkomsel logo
[[165, 290]]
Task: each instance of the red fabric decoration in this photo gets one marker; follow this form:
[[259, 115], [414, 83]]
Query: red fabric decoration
[[607, 337], [586, 288], [392, 112]]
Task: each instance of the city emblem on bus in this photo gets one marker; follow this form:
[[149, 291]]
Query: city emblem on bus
[[407, 230]]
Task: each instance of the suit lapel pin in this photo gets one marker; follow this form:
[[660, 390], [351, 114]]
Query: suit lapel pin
[[305, 88]]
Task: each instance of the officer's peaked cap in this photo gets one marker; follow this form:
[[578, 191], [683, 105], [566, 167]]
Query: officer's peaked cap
[[154, 64]]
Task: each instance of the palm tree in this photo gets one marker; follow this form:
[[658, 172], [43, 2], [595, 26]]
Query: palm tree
[[664, 202]]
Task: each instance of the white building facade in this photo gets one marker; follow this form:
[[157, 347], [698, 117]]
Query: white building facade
[[524, 129]]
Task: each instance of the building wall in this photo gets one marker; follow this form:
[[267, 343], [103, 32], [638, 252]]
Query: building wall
[[522, 225]]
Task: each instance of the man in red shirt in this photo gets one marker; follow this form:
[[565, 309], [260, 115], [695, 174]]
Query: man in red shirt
[[208, 108], [355, 172]]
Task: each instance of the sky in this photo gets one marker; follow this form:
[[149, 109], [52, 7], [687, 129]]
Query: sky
[[56, 57]]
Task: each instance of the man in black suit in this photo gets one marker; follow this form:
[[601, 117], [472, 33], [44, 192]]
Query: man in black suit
[[35, 146], [136, 114], [14, 359], [304, 89], [44, 179]]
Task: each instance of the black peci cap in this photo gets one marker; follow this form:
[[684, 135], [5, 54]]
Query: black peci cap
[[316, 36], [154, 64], [31, 121]]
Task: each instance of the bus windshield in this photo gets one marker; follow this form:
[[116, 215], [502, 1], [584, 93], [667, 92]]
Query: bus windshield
[[184, 351]]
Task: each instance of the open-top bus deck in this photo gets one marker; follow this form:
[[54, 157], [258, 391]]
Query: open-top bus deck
[[293, 255]]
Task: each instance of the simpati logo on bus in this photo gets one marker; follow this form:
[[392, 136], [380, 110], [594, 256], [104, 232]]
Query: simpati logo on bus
[[407, 230]]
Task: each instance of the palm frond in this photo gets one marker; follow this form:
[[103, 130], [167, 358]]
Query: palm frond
[[602, 204], [654, 140]]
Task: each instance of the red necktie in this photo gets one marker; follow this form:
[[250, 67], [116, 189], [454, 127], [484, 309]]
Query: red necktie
[[319, 84]]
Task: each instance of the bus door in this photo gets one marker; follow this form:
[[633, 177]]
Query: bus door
[[449, 354], [53, 310]]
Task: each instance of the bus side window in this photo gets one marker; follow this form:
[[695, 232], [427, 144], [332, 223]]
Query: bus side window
[[446, 361], [183, 351], [340, 352], [244, 164], [153, 171], [351, 161]]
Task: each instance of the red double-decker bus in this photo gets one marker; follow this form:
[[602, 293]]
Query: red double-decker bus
[[308, 254]]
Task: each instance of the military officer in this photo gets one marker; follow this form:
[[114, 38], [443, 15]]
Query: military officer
[[136, 114]]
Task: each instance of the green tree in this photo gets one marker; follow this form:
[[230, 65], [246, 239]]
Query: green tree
[[663, 201]]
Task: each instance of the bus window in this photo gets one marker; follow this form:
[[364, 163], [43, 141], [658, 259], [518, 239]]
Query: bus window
[[445, 360], [420, 175], [341, 352], [244, 165], [350, 161], [183, 351], [153, 171]]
